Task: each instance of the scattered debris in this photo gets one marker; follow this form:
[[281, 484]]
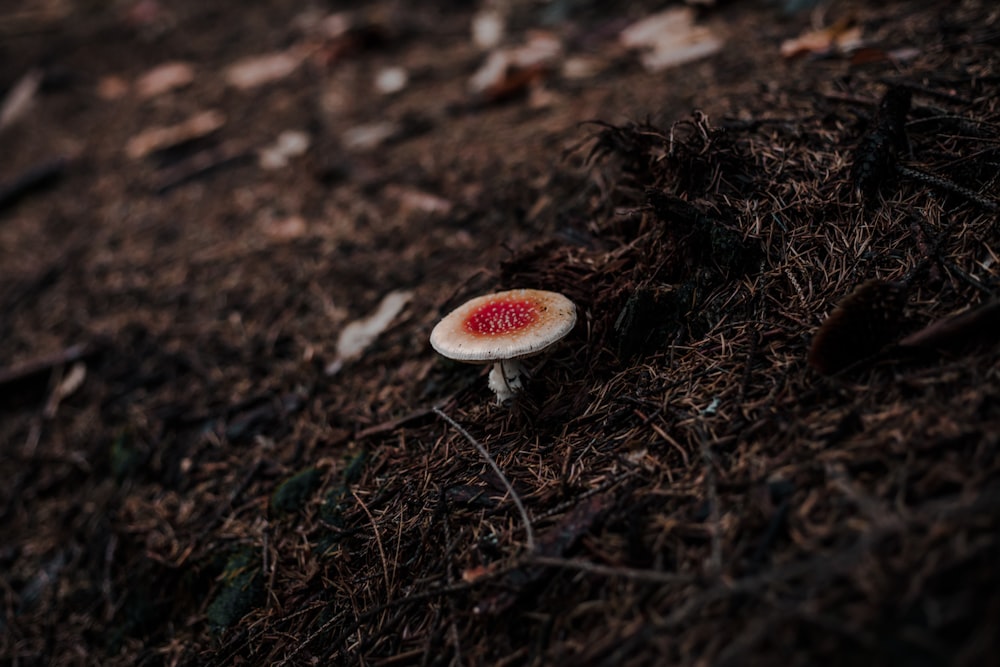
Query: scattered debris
[[200, 164], [34, 179], [582, 67], [511, 71], [844, 36], [356, 336], [286, 229], [555, 542], [163, 79], [255, 71], [670, 38], [946, 185], [289, 144], [370, 136], [19, 98], [157, 139], [411, 199], [30, 368], [487, 29], [826, 519], [67, 386], [391, 80]]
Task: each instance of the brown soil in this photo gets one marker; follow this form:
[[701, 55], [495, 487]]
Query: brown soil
[[193, 477]]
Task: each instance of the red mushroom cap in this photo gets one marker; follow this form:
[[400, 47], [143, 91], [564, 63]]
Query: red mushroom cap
[[505, 325]]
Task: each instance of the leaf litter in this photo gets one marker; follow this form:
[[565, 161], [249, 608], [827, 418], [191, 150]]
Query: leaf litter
[[697, 491]]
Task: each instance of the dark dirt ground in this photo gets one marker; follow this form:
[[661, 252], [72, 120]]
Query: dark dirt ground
[[185, 484]]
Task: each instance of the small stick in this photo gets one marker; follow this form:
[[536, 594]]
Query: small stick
[[648, 576], [935, 181], [979, 324], [201, 164], [378, 541], [392, 424], [37, 365], [528, 531], [34, 178]]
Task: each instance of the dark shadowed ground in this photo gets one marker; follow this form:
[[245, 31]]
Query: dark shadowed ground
[[765, 442]]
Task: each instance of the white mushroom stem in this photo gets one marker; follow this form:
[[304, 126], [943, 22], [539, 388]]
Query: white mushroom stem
[[505, 379]]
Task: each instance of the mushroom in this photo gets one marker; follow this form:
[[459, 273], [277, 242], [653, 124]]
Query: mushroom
[[504, 328]]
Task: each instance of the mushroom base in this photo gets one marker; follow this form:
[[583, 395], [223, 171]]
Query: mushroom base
[[505, 379]]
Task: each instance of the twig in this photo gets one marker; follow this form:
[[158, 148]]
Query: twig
[[37, 365], [933, 180], [528, 531], [305, 642], [201, 164], [647, 576], [393, 424], [33, 179], [378, 541], [978, 324]]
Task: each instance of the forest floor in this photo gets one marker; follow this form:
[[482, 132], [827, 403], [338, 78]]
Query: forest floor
[[773, 437]]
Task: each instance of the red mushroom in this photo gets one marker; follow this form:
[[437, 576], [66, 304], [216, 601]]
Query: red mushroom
[[504, 328]]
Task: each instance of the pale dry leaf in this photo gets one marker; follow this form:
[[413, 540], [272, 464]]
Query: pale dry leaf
[[289, 144], [285, 229], [843, 36], [487, 29], [255, 71], [70, 383], [20, 98], [164, 78], [391, 80], [540, 50], [158, 138], [414, 200], [582, 67], [356, 336], [670, 38], [73, 380], [369, 136]]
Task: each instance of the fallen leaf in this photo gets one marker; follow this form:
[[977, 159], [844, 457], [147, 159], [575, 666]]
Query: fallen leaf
[[285, 229], [487, 29], [20, 98], [289, 144], [356, 336], [256, 71], [369, 136], [163, 79], [72, 381], [158, 138], [411, 199], [843, 37], [582, 67], [391, 80], [478, 572], [509, 71], [669, 38]]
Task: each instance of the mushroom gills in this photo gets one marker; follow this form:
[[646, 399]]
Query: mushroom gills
[[505, 379]]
